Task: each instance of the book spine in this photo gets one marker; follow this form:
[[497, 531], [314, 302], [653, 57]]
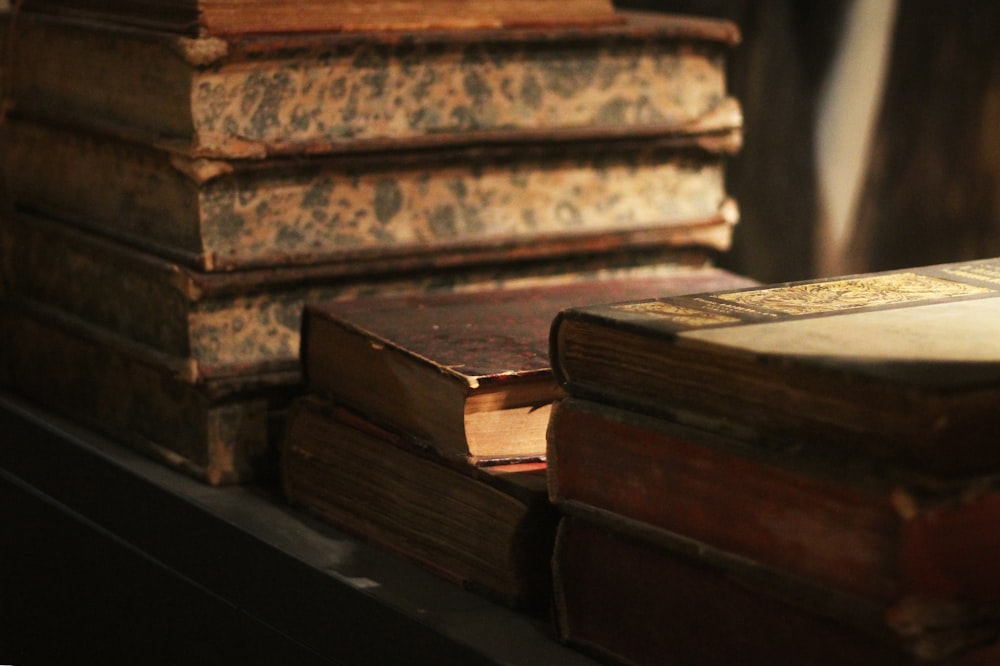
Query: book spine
[[126, 292], [181, 16], [216, 439], [98, 74], [119, 188]]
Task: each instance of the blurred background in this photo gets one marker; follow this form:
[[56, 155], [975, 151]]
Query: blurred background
[[872, 133]]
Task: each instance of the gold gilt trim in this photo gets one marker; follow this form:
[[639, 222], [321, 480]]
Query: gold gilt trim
[[867, 292], [677, 314]]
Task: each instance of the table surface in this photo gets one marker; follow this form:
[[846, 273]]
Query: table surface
[[106, 553]]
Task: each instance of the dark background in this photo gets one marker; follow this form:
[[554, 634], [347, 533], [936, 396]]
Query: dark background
[[931, 188]]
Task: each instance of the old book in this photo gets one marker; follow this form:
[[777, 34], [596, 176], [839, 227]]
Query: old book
[[490, 529], [247, 322], [633, 599], [898, 366], [215, 17], [467, 373], [416, 207], [901, 538], [257, 96], [219, 431]]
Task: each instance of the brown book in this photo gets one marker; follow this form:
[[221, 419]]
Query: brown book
[[247, 322], [489, 529], [467, 373], [900, 538], [416, 207], [265, 95], [219, 431], [633, 600], [901, 366], [215, 17]]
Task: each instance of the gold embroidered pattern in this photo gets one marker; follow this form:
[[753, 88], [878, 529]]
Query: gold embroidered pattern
[[677, 314], [880, 290], [984, 272]]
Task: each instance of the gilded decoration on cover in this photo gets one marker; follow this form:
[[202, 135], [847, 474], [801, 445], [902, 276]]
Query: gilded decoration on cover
[[988, 271], [677, 314], [867, 292]]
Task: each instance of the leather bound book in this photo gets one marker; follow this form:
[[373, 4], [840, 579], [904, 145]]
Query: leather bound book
[[900, 366], [215, 17], [257, 96], [466, 372]]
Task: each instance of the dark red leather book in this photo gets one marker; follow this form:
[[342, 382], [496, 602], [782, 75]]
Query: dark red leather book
[[632, 600], [467, 372], [901, 538]]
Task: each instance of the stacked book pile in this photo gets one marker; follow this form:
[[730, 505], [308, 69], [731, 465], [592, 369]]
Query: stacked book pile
[[183, 177], [423, 429], [805, 473]]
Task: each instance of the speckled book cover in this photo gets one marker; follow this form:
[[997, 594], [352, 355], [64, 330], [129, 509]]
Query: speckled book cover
[[218, 215], [260, 96]]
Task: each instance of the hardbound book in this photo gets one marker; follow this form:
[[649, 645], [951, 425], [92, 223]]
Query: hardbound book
[[248, 322], [412, 206], [218, 431], [248, 96], [214, 17], [900, 366], [489, 529], [633, 598], [468, 373], [910, 541]]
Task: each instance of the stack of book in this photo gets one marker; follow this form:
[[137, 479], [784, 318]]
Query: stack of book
[[183, 177], [800, 473], [423, 429]]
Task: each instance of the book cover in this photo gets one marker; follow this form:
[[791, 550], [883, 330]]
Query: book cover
[[901, 366], [257, 96], [247, 322], [218, 17], [220, 432], [217, 215], [468, 372], [629, 599], [490, 529], [867, 530]]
